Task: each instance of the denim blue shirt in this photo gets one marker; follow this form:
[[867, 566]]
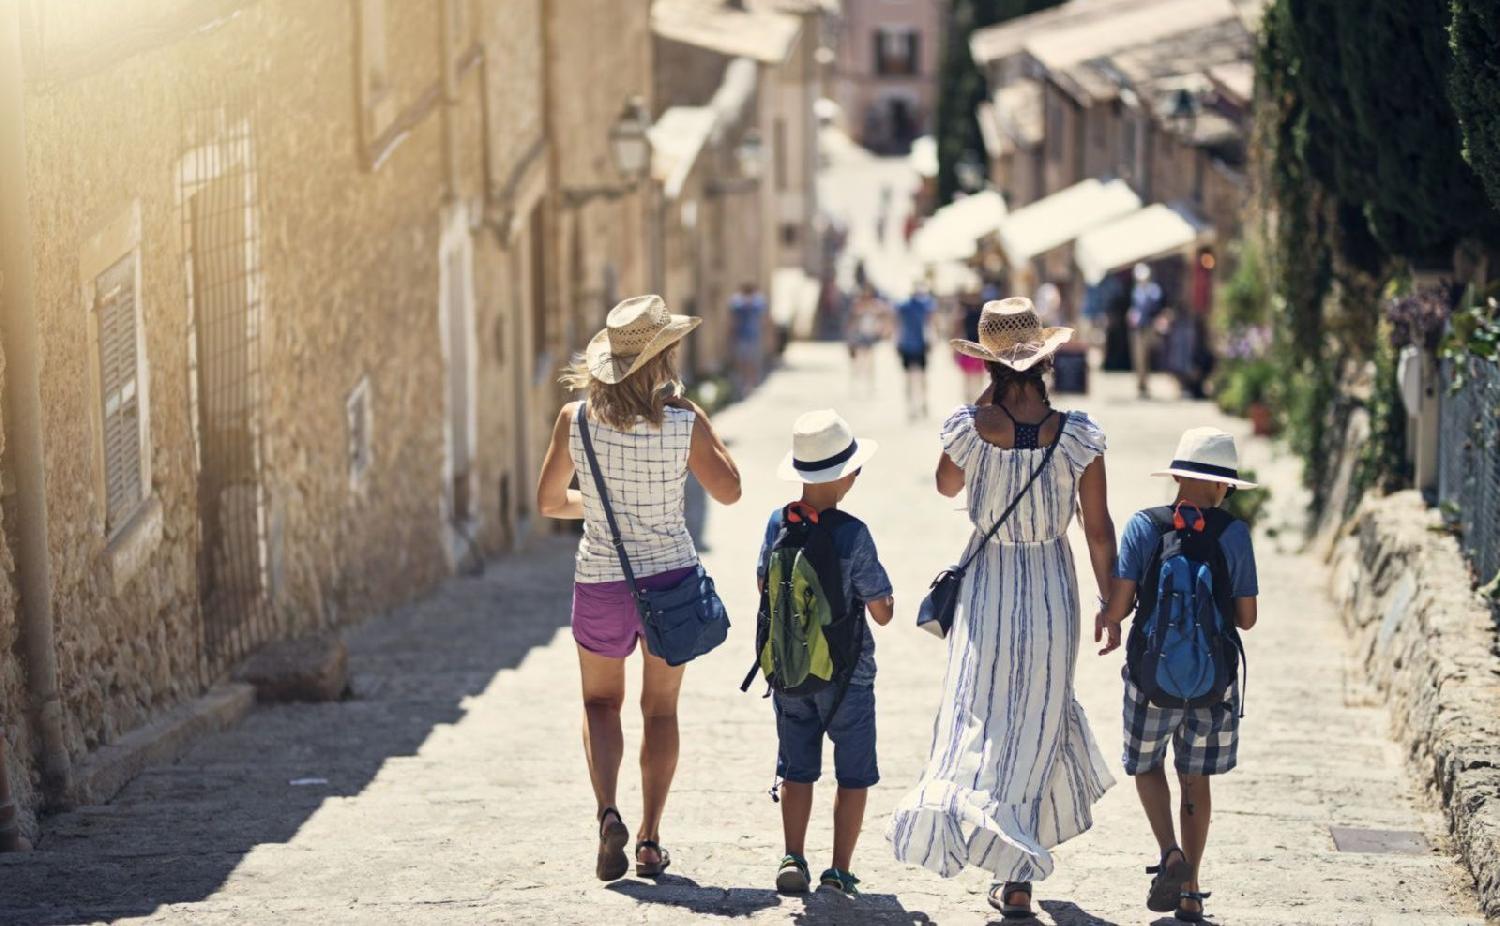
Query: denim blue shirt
[[864, 578], [1139, 542]]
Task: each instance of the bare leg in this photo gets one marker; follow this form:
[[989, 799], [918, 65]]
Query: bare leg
[[1156, 800], [1197, 807], [603, 743], [848, 817], [796, 810], [660, 686]]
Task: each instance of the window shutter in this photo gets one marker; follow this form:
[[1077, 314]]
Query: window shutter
[[118, 378]]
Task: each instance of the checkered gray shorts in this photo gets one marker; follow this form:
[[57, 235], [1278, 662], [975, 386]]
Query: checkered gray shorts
[[1205, 740]]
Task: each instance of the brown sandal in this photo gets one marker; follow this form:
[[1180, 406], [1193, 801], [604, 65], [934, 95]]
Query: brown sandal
[[651, 869], [612, 863]]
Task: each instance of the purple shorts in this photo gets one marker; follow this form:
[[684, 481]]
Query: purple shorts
[[605, 621]]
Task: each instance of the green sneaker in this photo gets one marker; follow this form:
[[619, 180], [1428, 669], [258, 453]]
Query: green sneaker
[[793, 877], [842, 881]]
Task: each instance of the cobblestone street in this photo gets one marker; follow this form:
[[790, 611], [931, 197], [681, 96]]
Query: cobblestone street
[[452, 787]]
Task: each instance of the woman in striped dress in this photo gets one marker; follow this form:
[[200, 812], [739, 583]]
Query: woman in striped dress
[[647, 441], [1013, 770]]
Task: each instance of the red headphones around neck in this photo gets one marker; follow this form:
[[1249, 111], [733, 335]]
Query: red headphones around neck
[[1181, 523], [800, 511]]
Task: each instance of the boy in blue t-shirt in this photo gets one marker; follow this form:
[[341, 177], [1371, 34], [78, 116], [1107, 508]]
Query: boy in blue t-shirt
[[1205, 740], [913, 316], [826, 458]]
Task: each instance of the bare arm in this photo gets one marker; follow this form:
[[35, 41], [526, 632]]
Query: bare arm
[[553, 497], [883, 610], [1107, 622], [950, 477], [1246, 612], [709, 459], [1098, 527]]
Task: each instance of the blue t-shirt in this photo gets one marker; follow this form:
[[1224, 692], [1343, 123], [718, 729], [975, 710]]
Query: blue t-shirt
[[1139, 542], [745, 311], [864, 577], [913, 315], [1145, 302]]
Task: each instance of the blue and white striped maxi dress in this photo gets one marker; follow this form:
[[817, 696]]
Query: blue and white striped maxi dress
[[1014, 770]]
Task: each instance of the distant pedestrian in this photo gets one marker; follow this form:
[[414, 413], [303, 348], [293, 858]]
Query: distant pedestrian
[[648, 440], [1013, 769], [970, 308], [747, 313], [1146, 303], [913, 316], [824, 682], [1183, 657], [869, 324]]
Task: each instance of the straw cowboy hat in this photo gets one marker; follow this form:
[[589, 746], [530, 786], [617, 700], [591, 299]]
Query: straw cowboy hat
[[1011, 334], [1207, 453], [824, 449], [636, 330]]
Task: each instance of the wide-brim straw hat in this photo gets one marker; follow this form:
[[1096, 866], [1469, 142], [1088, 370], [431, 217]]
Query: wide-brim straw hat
[[1010, 333], [636, 330], [824, 448], [1209, 454]]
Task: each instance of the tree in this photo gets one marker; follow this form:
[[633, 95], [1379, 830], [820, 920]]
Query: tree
[[961, 85], [1474, 86]]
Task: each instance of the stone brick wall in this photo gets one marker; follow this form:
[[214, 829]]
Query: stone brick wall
[[1429, 646], [13, 694], [350, 284]]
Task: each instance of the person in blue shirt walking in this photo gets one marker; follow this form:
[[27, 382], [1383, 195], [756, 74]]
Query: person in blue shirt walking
[[912, 318], [1146, 302], [747, 310]]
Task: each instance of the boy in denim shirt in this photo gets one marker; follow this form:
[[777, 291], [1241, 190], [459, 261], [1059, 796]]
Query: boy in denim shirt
[[1205, 740], [826, 458]]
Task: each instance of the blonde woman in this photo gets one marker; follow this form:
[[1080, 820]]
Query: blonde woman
[[647, 440]]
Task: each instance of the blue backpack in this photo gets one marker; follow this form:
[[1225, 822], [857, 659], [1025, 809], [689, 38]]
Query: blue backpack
[[1184, 649]]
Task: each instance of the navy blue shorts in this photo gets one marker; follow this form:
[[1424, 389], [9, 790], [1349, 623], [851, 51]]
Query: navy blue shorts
[[799, 730]]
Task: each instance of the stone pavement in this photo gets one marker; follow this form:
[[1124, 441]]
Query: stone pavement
[[452, 787]]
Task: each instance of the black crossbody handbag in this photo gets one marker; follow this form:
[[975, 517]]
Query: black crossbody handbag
[[936, 614], [682, 622]]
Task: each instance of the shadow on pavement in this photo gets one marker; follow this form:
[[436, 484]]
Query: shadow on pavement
[[687, 894], [1067, 913], [178, 832]]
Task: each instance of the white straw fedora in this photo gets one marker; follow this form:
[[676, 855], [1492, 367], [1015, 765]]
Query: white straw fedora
[[1207, 453], [636, 330], [824, 448], [1010, 333]]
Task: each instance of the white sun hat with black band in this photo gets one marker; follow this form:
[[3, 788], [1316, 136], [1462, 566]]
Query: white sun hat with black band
[[824, 448], [1210, 454]]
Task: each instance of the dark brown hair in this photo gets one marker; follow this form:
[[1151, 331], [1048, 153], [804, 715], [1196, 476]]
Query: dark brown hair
[[1006, 380]]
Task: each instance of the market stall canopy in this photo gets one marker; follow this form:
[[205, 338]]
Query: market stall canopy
[[953, 278], [1057, 219], [1148, 233], [953, 232]]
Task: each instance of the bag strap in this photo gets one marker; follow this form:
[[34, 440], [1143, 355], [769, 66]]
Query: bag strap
[[609, 512], [1000, 521]]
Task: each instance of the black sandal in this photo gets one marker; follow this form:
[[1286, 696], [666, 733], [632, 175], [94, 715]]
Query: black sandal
[[1000, 900], [651, 869], [612, 863], [1167, 885], [1191, 916]]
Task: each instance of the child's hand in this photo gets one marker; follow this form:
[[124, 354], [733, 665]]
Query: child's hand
[[1106, 631]]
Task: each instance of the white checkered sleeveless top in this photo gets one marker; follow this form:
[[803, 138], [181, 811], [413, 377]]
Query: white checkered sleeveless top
[[645, 471]]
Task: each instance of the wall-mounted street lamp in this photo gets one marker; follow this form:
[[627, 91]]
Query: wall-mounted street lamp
[[629, 149], [749, 154], [1184, 114], [629, 145]]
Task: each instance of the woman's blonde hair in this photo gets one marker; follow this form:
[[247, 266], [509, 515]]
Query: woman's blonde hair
[[641, 395]]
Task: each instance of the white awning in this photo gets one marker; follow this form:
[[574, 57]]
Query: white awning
[[1057, 219], [953, 232], [1142, 235], [952, 278]]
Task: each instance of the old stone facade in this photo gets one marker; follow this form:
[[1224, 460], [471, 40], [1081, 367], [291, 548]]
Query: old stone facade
[[887, 62], [303, 277]]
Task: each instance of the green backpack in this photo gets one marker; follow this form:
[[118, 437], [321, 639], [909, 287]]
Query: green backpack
[[807, 636]]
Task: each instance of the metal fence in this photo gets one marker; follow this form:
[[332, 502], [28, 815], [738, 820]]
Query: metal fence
[[1469, 458]]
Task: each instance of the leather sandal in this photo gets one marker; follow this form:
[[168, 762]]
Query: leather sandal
[[1170, 877], [1000, 896], [613, 835], [1191, 916], [651, 869]]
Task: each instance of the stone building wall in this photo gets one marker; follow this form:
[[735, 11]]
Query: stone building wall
[[14, 698], [350, 294]]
